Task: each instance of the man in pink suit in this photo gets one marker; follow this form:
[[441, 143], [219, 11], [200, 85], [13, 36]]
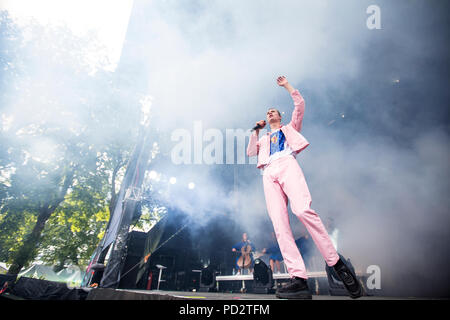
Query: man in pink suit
[[283, 179]]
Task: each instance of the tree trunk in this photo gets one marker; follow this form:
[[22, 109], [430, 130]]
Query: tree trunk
[[112, 203], [28, 250]]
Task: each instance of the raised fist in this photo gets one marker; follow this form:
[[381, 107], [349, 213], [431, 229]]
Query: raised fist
[[282, 81]]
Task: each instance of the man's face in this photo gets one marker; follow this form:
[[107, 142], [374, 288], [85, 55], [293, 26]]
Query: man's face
[[273, 116], [244, 237]]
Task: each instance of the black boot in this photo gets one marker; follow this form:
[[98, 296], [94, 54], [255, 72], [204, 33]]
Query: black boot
[[348, 278], [297, 288]]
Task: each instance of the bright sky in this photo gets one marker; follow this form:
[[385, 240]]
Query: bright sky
[[109, 18]]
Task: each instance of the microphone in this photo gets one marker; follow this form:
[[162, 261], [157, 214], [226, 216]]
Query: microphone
[[258, 126]]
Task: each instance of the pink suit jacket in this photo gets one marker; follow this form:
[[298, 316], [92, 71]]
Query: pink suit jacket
[[295, 140]]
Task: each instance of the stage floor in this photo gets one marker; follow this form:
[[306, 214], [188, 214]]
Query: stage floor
[[122, 294]]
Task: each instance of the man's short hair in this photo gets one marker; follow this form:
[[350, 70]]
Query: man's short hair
[[279, 113]]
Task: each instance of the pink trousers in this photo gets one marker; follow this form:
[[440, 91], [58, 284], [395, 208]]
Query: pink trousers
[[283, 179]]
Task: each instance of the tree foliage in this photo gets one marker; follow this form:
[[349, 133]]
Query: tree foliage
[[67, 133]]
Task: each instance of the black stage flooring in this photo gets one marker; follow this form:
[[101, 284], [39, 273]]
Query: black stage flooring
[[123, 294]]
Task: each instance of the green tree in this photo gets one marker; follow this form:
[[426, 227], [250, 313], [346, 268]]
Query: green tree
[[67, 132]]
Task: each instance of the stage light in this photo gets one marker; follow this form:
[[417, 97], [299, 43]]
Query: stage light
[[191, 185], [208, 279], [262, 278], [173, 180], [153, 175]]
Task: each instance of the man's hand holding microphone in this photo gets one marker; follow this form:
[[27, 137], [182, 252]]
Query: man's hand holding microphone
[[259, 125]]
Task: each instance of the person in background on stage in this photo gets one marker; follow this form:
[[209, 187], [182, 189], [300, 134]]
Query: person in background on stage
[[275, 255], [332, 231], [238, 248], [283, 179], [306, 246]]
